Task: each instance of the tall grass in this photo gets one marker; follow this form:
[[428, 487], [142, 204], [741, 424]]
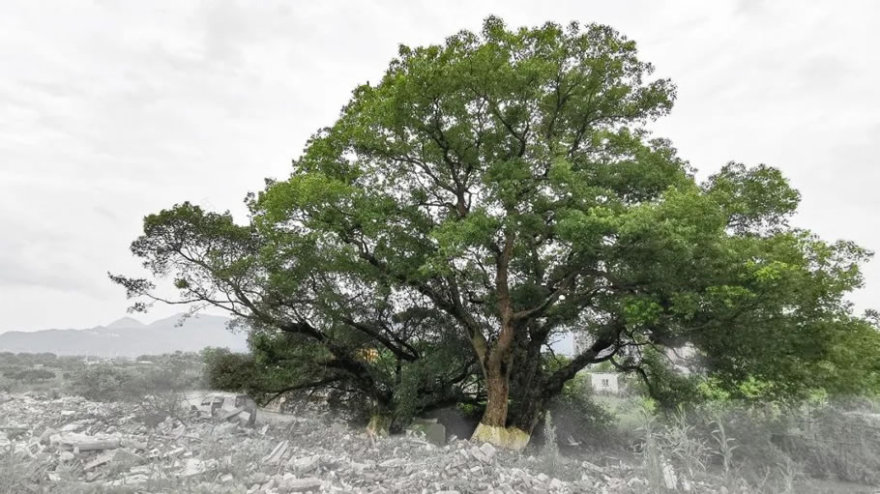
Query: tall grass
[[551, 460], [19, 473], [751, 448]]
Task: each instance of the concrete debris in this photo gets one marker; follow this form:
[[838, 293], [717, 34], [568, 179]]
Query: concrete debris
[[101, 459], [193, 466], [300, 485], [127, 458], [47, 433], [305, 464], [670, 480], [79, 446], [484, 453], [231, 414], [488, 450], [275, 456], [393, 463], [81, 443]]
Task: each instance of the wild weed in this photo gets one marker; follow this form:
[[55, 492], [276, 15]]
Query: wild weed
[[550, 458], [653, 462], [682, 443], [19, 474]]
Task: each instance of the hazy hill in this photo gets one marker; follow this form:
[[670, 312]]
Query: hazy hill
[[128, 337]]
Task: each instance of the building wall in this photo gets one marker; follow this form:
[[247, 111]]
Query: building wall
[[605, 382]]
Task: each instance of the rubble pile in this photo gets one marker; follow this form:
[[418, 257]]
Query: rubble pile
[[75, 445]]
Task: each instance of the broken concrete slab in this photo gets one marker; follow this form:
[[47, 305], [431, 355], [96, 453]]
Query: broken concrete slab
[[46, 434], [488, 450], [133, 444], [300, 485], [480, 454], [194, 466], [277, 453], [99, 460], [79, 443], [229, 414], [304, 464]]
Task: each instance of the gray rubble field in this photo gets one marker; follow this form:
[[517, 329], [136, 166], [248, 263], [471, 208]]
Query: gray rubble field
[[73, 445]]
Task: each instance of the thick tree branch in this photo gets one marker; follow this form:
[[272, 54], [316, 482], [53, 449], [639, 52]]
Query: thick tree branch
[[297, 387], [609, 335], [407, 353]]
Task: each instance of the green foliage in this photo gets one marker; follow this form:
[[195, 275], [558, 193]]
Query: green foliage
[[105, 383], [653, 458], [168, 376], [837, 442], [416, 390], [753, 198], [767, 447], [30, 375], [578, 420], [492, 192], [227, 371], [176, 372], [688, 451]]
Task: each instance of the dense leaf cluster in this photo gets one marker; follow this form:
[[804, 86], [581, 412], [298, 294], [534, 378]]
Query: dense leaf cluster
[[492, 193]]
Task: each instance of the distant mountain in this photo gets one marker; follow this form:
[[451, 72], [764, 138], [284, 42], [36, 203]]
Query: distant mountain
[[128, 337], [125, 322]]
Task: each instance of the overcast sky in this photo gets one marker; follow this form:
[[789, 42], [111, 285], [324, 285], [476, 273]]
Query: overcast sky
[[112, 110]]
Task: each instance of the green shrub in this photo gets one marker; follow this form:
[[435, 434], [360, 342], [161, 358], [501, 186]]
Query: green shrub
[[832, 442], [686, 448], [5, 385], [578, 420], [32, 375], [105, 383], [765, 448], [739, 435]]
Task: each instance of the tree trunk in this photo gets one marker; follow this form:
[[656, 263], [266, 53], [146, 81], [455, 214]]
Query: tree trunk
[[498, 360], [527, 410], [526, 383], [493, 426], [498, 392]]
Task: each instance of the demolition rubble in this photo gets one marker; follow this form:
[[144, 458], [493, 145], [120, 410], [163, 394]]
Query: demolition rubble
[[70, 444]]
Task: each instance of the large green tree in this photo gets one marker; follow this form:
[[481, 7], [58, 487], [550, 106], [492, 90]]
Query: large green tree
[[500, 189]]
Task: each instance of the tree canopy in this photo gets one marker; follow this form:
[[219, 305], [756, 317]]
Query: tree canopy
[[491, 193]]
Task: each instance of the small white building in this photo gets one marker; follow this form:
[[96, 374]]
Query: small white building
[[605, 382]]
